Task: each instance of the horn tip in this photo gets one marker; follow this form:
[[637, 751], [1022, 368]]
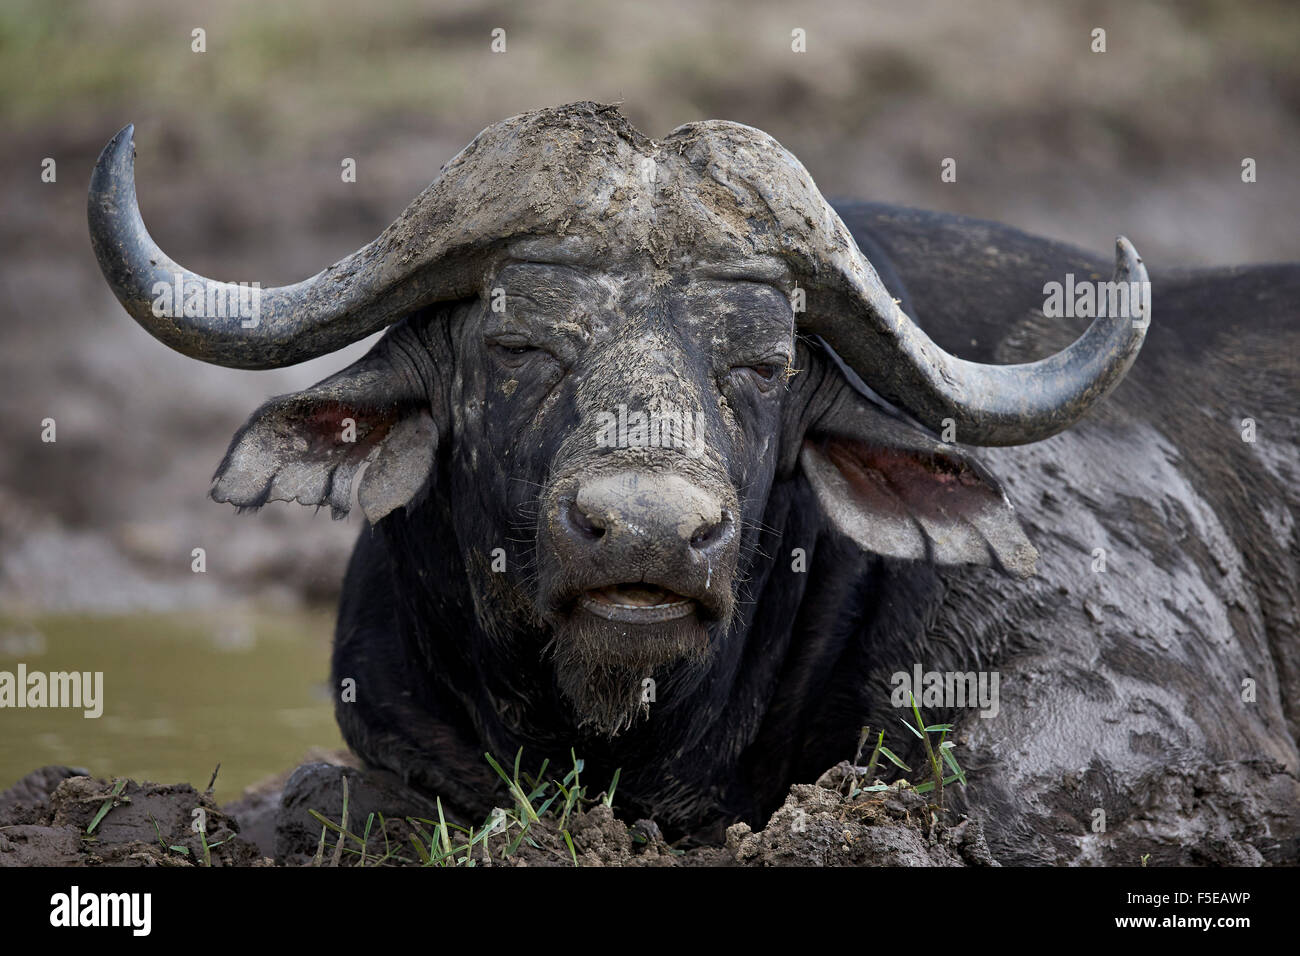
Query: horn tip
[[1127, 261], [112, 181], [120, 150], [1125, 250]]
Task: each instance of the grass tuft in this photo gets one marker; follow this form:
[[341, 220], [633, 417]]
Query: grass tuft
[[542, 809]]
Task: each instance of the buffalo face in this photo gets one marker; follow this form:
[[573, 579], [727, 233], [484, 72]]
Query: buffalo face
[[631, 415]]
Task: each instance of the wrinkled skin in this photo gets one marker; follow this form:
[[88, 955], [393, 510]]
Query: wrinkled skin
[[571, 345]]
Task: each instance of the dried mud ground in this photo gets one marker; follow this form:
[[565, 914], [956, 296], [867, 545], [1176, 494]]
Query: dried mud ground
[[46, 816]]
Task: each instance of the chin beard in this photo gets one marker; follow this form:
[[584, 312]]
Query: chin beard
[[600, 666]]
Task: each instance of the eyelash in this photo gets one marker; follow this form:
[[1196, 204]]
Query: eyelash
[[514, 355], [767, 375]]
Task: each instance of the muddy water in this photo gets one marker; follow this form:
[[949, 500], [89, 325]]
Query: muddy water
[[180, 694]]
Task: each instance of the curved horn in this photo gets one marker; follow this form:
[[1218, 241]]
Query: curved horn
[[500, 187], [990, 404], [742, 178], [267, 328]]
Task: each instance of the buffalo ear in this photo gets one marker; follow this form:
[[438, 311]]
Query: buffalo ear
[[308, 446], [898, 492]]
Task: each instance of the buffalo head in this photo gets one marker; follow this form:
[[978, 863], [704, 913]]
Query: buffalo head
[[605, 352]]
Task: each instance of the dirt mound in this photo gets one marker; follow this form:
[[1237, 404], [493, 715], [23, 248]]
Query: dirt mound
[[820, 825], [59, 816], [817, 826]]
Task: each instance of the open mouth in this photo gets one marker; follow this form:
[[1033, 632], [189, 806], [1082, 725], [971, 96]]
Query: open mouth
[[639, 603]]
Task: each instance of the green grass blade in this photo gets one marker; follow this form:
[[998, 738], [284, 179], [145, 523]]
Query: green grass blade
[[951, 761], [442, 824], [613, 785], [519, 796], [893, 758], [419, 850], [106, 806]]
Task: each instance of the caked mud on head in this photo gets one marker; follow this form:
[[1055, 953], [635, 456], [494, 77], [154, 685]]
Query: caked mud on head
[[626, 410]]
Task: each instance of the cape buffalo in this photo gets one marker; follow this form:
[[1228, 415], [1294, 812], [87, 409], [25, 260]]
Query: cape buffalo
[[661, 468]]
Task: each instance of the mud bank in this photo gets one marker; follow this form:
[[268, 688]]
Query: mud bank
[[56, 816]]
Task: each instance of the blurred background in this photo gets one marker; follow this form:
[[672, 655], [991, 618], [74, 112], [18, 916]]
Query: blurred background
[[238, 168]]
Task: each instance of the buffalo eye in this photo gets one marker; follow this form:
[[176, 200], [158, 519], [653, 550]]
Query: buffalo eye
[[513, 352], [765, 375]]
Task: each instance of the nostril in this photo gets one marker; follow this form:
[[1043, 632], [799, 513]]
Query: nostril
[[579, 522], [712, 533]]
